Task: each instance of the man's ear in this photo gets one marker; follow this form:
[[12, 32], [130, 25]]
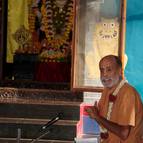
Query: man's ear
[[120, 72]]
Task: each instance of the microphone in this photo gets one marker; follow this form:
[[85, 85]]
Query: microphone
[[52, 121]]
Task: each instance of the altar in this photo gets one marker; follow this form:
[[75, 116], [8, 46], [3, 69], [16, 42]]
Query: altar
[[28, 67]]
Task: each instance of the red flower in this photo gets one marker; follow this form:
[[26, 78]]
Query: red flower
[[104, 135], [112, 98]]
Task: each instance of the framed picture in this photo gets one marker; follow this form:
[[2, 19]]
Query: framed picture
[[99, 30]]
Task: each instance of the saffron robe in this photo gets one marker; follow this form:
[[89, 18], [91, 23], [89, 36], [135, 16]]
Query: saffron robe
[[127, 110]]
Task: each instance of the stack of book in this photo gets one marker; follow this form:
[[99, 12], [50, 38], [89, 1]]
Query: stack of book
[[87, 128]]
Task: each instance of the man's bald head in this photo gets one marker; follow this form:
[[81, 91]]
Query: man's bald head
[[114, 58]]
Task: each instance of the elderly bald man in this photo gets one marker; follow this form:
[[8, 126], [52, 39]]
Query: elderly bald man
[[120, 110]]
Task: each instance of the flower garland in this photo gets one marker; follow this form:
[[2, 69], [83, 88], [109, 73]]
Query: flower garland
[[112, 98], [51, 13], [31, 17], [51, 19]]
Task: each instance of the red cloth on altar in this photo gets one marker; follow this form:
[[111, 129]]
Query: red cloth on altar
[[53, 72]]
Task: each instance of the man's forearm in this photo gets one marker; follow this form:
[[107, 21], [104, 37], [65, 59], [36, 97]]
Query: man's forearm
[[121, 131]]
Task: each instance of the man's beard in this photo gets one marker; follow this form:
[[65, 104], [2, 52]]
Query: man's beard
[[109, 82]]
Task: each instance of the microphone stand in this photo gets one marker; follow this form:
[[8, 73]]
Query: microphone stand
[[41, 136], [18, 135], [46, 126]]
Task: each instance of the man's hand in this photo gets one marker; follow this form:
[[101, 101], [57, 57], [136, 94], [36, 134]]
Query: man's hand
[[93, 112]]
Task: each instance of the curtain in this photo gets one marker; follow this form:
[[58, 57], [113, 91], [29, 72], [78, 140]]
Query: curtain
[[17, 16]]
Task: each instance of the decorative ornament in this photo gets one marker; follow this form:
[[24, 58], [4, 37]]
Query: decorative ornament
[[22, 36], [57, 24]]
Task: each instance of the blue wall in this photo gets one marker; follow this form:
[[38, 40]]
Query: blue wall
[[134, 44]]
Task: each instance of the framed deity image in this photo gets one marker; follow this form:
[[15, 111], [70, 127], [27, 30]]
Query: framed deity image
[[36, 41], [99, 30]]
